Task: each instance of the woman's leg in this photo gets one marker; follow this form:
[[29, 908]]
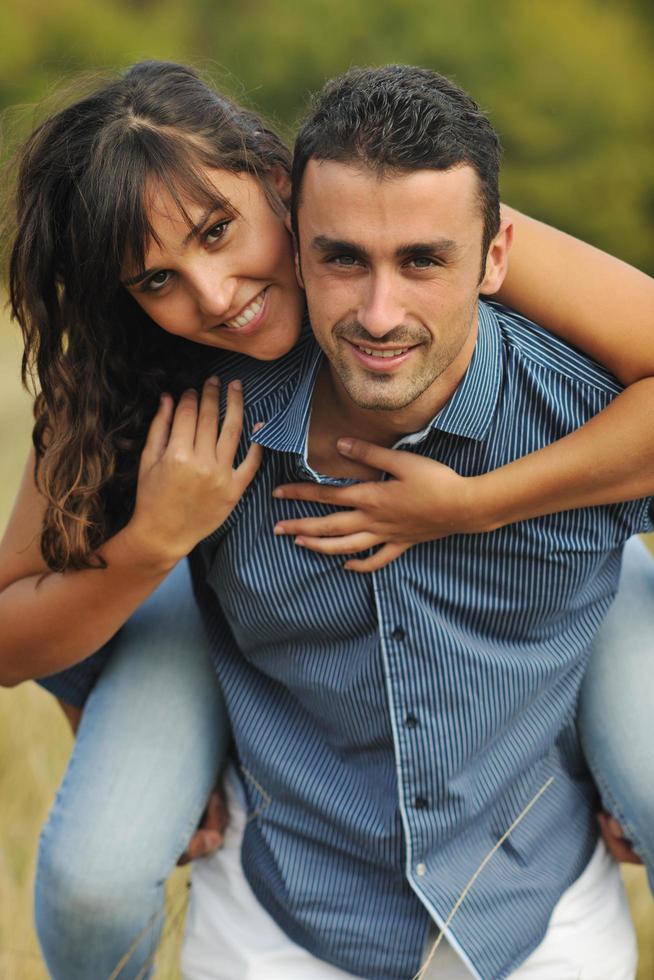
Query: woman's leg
[[616, 712], [152, 739]]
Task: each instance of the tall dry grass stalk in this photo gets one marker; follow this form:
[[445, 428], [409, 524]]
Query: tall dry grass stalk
[[462, 897]]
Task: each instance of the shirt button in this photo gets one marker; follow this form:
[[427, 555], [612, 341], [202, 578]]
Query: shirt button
[[411, 721], [421, 870], [420, 803], [398, 634]]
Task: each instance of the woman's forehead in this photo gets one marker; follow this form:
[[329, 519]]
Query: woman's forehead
[[174, 198], [198, 189]]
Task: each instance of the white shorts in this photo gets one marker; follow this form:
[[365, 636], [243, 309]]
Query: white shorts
[[230, 936]]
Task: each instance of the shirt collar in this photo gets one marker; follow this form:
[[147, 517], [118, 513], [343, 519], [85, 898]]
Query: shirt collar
[[468, 412], [287, 431]]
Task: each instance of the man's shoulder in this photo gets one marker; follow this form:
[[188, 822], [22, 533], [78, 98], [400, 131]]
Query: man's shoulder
[[532, 345]]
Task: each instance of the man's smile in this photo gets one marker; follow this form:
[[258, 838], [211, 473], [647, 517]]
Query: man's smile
[[381, 359]]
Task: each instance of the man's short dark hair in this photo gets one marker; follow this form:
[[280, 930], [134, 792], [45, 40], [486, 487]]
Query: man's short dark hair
[[397, 119]]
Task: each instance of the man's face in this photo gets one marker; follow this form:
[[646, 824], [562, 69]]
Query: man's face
[[391, 268]]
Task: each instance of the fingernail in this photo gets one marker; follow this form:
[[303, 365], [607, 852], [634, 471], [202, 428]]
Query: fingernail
[[236, 385], [278, 529], [344, 446], [278, 492], [213, 380], [212, 839], [257, 426], [299, 541]]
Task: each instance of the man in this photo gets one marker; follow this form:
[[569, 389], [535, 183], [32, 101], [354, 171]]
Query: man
[[390, 729]]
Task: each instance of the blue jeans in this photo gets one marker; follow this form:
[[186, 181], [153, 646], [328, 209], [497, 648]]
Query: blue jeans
[[148, 751], [615, 719], [153, 736]]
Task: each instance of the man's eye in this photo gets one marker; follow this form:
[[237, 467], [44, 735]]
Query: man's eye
[[423, 262], [343, 260], [157, 281], [217, 231]]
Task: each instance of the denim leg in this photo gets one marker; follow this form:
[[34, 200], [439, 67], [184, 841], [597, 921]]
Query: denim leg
[[152, 740], [617, 701]]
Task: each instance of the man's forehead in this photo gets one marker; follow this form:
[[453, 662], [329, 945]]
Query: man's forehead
[[351, 193]]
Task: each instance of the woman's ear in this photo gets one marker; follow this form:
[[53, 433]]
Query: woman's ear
[[497, 259], [281, 182]]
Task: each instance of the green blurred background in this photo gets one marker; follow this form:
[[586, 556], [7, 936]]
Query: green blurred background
[[568, 85]]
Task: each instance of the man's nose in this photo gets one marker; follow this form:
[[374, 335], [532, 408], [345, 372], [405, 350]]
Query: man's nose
[[381, 309]]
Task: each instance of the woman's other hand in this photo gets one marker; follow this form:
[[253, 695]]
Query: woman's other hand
[[423, 501], [211, 831], [187, 482], [615, 840]]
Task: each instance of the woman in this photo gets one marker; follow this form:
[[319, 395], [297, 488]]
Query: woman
[[156, 204]]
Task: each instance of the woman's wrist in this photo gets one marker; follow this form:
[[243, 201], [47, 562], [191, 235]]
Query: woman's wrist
[[137, 549], [488, 503]]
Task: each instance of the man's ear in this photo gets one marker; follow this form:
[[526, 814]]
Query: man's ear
[[497, 259]]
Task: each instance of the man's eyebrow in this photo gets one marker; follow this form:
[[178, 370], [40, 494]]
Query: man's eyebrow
[[322, 243], [444, 247], [194, 231], [440, 246]]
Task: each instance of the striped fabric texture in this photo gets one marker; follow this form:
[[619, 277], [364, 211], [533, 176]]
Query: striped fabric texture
[[390, 727]]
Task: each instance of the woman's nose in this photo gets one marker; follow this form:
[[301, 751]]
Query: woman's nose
[[215, 295]]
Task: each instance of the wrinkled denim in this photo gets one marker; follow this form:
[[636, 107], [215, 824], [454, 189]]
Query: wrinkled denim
[[616, 714], [147, 754]]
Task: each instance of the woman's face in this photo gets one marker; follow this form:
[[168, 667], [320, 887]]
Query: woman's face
[[229, 283]]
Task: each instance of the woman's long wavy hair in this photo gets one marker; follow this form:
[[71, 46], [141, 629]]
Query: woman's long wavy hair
[[97, 361]]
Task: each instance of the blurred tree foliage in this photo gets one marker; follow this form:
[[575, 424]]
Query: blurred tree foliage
[[568, 83]]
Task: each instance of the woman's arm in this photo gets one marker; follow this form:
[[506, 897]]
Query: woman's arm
[[49, 621], [186, 488], [591, 300]]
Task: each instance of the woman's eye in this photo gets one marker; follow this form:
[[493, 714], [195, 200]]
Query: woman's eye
[[216, 231], [157, 281]]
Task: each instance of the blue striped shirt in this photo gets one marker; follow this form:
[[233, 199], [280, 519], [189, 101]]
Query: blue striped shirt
[[390, 727]]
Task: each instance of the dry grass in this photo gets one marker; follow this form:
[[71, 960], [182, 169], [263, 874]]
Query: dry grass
[[35, 742], [34, 745]]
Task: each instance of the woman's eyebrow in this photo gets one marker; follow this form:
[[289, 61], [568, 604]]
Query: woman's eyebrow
[[194, 231], [199, 225], [135, 280]]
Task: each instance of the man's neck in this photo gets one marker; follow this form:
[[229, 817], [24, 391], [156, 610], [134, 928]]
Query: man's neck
[[334, 415]]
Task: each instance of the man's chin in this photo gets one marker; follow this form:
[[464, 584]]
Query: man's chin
[[380, 400]]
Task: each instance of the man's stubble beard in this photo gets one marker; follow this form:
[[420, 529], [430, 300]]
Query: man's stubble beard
[[416, 386]]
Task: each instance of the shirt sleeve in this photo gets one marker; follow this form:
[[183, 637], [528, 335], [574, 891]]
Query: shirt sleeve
[[74, 684]]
